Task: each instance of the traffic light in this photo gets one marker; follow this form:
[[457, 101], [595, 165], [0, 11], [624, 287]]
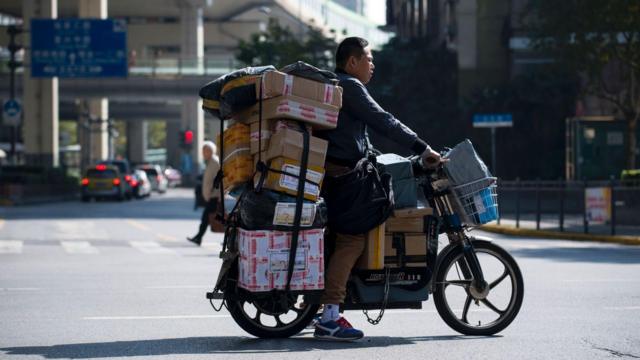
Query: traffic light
[[14, 47], [188, 137]]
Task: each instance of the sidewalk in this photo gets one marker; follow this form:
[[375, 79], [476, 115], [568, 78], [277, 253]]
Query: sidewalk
[[573, 229]]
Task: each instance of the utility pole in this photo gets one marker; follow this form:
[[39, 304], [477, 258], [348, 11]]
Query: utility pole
[[14, 64]]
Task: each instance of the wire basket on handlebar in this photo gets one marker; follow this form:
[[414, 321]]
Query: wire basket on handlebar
[[478, 201], [473, 185]]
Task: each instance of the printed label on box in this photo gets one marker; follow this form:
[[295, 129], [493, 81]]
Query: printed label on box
[[264, 257], [279, 260], [328, 93], [291, 182], [265, 135], [309, 112], [288, 85], [285, 212]]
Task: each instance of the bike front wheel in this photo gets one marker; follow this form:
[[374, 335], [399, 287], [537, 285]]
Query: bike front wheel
[[469, 307]]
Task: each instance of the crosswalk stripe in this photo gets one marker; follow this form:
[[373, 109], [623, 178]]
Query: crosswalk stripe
[[10, 246], [78, 247], [138, 225], [150, 247], [212, 246], [166, 237]]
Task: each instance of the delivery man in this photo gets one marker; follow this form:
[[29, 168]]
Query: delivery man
[[348, 143]]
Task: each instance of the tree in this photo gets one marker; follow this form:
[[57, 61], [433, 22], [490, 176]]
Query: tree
[[279, 46], [601, 41], [418, 85]]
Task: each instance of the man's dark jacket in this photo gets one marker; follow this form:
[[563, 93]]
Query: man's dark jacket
[[348, 142]]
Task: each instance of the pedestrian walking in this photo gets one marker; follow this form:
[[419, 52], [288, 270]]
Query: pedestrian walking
[[211, 201]]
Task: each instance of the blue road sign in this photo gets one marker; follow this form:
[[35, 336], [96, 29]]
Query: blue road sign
[[78, 48], [492, 120], [11, 111]]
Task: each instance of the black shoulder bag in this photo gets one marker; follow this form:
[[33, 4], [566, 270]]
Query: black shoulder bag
[[359, 200]]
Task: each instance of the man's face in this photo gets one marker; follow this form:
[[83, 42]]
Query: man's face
[[362, 68], [207, 153]]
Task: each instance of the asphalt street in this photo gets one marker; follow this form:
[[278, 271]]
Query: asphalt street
[[119, 280]]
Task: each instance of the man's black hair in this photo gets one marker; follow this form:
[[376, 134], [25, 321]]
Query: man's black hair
[[351, 46]]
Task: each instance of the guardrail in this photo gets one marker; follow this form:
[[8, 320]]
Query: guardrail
[[161, 67], [596, 207]]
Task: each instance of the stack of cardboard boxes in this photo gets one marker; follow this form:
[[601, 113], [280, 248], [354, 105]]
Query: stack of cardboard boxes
[[271, 132]]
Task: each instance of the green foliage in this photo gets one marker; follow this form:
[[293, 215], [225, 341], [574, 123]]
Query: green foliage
[[68, 131], [279, 46], [418, 85], [121, 140], [157, 131], [600, 40]]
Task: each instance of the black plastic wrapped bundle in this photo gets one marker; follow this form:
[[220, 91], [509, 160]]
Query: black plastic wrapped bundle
[[257, 211], [232, 92], [302, 69]]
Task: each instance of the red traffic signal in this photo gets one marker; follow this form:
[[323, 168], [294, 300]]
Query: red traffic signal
[[188, 137]]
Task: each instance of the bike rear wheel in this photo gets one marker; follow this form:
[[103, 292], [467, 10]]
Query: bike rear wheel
[[496, 306], [264, 317]]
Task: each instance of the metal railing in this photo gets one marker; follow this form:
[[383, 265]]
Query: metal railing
[[563, 206], [166, 66]]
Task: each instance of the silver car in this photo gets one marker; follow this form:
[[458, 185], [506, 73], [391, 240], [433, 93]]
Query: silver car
[[157, 179]]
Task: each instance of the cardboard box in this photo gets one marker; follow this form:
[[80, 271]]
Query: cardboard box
[[374, 250], [408, 220], [275, 83], [414, 244], [236, 139], [288, 143], [237, 169], [289, 184], [268, 128], [264, 259], [412, 212], [319, 115]]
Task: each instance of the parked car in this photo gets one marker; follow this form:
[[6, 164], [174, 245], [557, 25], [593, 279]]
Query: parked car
[[103, 181], [159, 182], [141, 184], [174, 177], [125, 172]]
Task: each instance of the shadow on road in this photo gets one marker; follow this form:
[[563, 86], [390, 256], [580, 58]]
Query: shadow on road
[[595, 254], [214, 345], [155, 208]]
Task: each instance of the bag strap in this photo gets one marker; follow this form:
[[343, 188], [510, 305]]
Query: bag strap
[[218, 181], [299, 203]]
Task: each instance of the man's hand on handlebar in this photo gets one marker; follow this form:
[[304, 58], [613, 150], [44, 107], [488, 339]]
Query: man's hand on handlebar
[[431, 159]]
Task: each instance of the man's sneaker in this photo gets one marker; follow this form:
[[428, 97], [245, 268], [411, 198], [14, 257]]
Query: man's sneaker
[[314, 321], [344, 323], [339, 330]]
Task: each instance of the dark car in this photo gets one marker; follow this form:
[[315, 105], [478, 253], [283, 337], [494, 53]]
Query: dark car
[[126, 173], [103, 181]]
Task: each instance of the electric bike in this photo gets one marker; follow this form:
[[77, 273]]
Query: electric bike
[[476, 285]]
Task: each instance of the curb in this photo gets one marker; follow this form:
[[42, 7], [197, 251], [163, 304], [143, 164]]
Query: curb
[[613, 239]]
